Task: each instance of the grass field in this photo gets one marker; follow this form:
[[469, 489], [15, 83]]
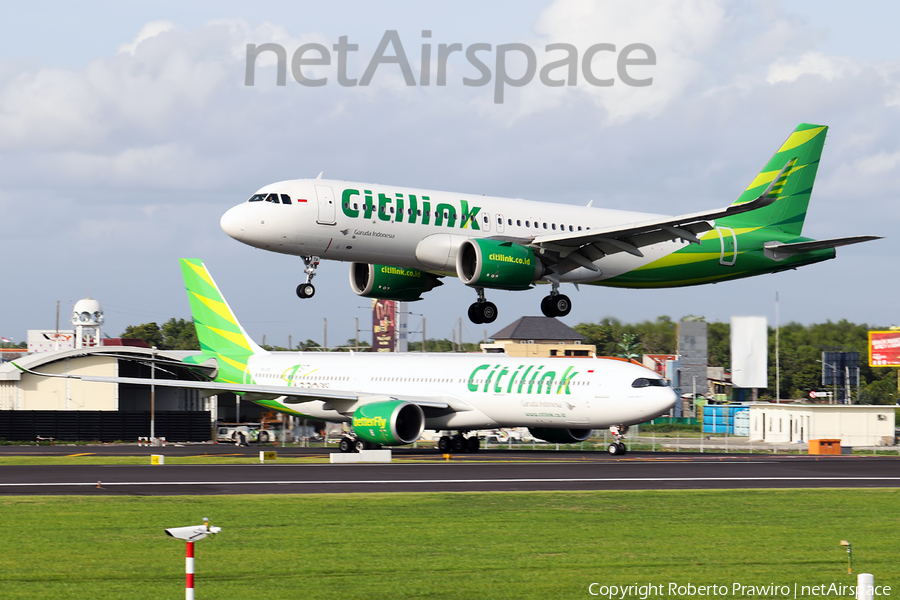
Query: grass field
[[461, 545]]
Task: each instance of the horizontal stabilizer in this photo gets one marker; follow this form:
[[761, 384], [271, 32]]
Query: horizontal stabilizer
[[779, 251]]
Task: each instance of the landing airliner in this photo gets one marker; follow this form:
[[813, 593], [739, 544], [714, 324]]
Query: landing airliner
[[401, 241], [389, 399]]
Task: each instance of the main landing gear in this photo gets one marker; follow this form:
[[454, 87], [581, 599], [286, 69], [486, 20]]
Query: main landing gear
[[482, 311], [553, 305], [459, 443], [307, 289], [556, 304], [618, 447], [354, 444]]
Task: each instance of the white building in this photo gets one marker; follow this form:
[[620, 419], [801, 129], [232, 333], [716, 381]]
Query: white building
[[855, 425]]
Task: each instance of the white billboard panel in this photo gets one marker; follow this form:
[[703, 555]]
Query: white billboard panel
[[50, 340], [749, 352]]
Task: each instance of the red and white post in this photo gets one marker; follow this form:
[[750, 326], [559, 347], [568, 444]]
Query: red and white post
[[189, 572], [190, 535]]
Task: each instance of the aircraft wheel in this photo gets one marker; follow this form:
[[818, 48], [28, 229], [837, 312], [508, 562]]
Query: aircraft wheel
[[306, 290], [263, 437], [475, 314], [488, 312], [473, 444], [556, 306], [361, 445], [458, 443], [346, 445], [622, 448], [546, 308], [444, 443], [561, 305], [614, 449]]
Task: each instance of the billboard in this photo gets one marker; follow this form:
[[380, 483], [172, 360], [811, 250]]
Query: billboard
[[50, 340], [884, 348], [383, 321], [749, 352]]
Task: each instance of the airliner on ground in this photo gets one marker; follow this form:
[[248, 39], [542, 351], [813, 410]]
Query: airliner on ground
[[389, 399], [401, 241]]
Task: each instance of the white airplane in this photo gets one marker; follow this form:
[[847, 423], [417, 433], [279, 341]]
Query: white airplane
[[401, 241], [389, 399]]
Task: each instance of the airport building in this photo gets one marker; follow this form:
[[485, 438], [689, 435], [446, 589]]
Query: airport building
[[854, 425], [539, 337], [60, 407]]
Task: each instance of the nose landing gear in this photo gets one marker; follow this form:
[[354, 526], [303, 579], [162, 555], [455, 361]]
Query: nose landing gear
[[618, 446], [307, 289]]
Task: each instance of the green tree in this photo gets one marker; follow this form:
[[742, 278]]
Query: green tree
[[629, 347], [180, 335], [149, 332], [173, 335]]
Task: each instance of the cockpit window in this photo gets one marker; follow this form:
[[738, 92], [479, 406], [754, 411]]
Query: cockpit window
[[273, 198], [647, 382], [257, 198], [285, 199]]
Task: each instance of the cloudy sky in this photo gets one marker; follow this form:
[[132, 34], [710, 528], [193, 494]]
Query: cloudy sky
[[126, 130]]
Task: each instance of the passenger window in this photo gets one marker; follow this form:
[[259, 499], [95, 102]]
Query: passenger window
[[545, 226], [554, 227], [527, 224], [519, 222], [509, 222], [285, 199]]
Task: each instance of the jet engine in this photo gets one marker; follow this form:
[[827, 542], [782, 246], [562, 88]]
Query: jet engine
[[390, 283], [560, 436], [498, 265], [389, 423]]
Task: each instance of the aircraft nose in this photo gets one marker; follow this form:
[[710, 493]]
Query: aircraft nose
[[664, 401], [232, 222]]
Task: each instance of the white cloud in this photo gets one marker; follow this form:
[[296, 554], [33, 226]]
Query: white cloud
[[150, 30], [811, 63], [680, 34]]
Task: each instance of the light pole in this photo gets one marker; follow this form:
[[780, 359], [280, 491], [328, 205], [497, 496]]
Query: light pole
[[153, 396]]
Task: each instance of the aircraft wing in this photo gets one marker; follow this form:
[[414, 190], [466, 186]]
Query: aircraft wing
[[629, 238], [340, 400]]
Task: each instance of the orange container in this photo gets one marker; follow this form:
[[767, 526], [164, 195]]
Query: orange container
[[824, 446]]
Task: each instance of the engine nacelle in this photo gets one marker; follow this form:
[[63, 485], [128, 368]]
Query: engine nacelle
[[389, 423], [390, 283], [560, 436], [498, 265]]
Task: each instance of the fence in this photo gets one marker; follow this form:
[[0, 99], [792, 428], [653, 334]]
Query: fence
[[103, 426]]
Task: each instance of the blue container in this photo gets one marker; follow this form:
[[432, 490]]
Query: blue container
[[719, 418]]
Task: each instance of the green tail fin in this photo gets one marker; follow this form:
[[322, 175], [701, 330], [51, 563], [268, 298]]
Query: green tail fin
[[220, 335], [797, 160]]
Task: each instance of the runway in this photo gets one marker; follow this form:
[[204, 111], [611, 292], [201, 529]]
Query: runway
[[487, 471]]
